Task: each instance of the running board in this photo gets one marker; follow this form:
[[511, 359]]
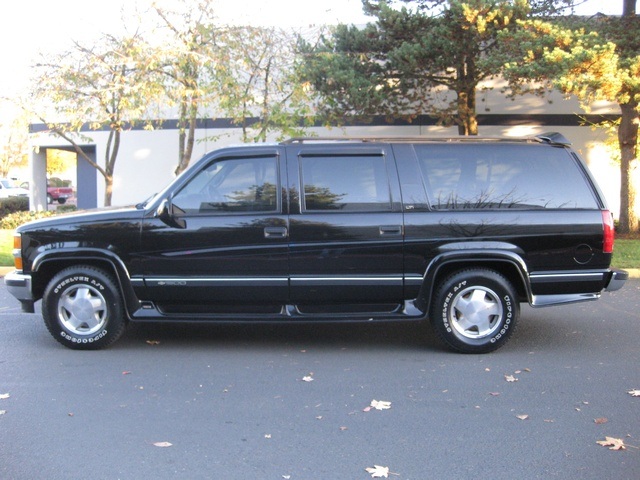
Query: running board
[[148, 311]]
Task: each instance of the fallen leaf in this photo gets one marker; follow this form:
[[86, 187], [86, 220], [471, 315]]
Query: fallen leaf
[[612, 443], [522, 417], [163, 444], [600, 421], [70, 414], [380, 405], [510, 378], [342, 429], [634, 393], [126, 373], [4, 395], [286, 477], [494, 394], [2, 412], [153, 342], [267, 435], [378, 472], [308, 378]]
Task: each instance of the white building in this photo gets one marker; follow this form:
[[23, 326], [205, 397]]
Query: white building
[[147, 159]]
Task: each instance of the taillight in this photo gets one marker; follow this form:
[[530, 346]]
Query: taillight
[[609, 232], [17, 251]]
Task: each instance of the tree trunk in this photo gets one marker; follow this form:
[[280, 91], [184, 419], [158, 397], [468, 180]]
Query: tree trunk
[[467, 120], [628, 141]]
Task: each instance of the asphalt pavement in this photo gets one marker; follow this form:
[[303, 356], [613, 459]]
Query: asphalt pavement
[[294, 401]]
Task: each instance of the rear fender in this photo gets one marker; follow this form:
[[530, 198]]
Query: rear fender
[[502, 257]]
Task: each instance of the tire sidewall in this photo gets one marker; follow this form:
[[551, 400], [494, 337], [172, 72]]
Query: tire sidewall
[[101, 282], [445, 298]]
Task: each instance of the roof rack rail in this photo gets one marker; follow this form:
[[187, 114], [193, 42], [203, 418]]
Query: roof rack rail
[[415, 138], [553, 138]]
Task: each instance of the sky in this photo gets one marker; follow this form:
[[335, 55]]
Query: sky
[[31, 27]]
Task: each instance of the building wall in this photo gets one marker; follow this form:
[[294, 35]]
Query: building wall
[[147, 159]]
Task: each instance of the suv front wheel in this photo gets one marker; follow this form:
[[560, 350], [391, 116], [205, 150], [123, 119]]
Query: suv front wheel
[[83, 309], [474, 310]]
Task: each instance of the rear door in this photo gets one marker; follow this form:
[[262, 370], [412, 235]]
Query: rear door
[[346, 231]]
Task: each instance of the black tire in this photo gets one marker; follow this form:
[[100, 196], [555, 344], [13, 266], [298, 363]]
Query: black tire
[[83, 309], [49, 199], [62, 201], [475, 310]]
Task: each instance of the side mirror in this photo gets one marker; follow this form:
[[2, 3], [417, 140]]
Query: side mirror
[[165, 213]]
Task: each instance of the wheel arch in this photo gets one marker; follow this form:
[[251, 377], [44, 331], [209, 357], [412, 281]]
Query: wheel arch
[[508, 264], [46, 265]]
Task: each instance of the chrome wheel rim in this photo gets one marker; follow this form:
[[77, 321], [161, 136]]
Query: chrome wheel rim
[[476, 312], [82, 310]]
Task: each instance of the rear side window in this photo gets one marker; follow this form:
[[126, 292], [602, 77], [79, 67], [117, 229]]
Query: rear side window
[[357, 183], [502, 176]]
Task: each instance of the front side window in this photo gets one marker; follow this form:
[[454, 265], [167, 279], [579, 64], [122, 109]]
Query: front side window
[[231, 185], [502, 176], [345, 183]]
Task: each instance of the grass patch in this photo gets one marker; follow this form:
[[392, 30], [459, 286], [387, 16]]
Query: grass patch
[[6, 248], [626, 253]]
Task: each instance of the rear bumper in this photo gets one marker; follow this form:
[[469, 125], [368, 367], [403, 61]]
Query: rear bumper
[[617, 280], [19, 285]]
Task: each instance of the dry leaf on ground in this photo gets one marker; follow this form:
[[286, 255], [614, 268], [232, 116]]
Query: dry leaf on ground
[[379, 405], [612, 443], [634, 393], [522, 417], [600, 421], [4, 396], [163, 444], [378, 472], [510, 378]]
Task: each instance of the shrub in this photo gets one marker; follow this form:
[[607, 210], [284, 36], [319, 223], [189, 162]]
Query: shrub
[[13, 205], [14, 220]]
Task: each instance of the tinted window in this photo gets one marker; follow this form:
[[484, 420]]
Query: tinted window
[[502, 176], [345, 183], [231, 185]]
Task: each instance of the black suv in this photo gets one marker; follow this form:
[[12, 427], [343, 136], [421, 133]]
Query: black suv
[[458, 231]]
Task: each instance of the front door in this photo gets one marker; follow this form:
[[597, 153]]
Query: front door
[[226, 246]]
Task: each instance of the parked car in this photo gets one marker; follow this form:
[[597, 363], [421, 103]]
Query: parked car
[[58, 194], [9, 189], [456, 231]]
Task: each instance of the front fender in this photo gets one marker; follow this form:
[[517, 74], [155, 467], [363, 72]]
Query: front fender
[[63, 256]]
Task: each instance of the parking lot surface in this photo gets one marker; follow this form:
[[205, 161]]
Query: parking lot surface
[[294, 401]]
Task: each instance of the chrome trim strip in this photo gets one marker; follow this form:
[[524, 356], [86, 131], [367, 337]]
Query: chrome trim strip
[[346, 280], [566, 277], [213, 281]]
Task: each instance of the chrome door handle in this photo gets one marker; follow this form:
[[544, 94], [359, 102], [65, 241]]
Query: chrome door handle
[[275, 232]]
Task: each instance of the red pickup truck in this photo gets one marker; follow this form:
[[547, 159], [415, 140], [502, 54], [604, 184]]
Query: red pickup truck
[[58, 194]]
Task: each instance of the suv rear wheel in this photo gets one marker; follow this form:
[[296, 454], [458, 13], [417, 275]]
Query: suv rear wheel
[[83, 309], [474, 310]]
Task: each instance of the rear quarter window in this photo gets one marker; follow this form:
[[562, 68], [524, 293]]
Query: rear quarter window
[[503, 176]]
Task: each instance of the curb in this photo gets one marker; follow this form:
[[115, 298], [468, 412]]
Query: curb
[[633, 272]]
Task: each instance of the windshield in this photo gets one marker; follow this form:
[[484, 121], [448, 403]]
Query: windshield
[[7, 183]]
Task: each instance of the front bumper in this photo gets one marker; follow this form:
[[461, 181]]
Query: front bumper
[[618, 277], [19, 285]]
